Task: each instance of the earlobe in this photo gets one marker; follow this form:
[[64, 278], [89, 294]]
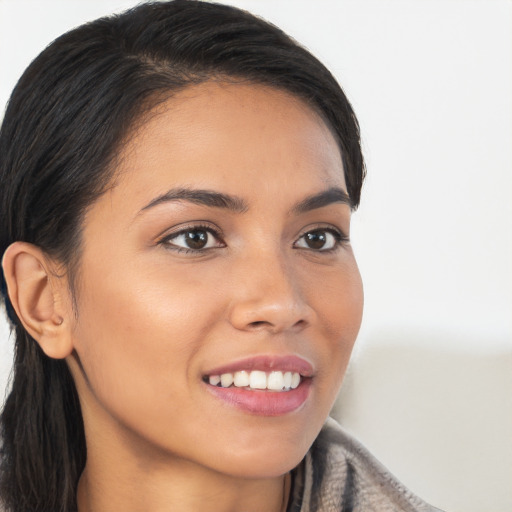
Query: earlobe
[[37, 295]]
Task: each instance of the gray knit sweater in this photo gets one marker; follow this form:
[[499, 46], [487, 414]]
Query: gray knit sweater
[[339, 475]]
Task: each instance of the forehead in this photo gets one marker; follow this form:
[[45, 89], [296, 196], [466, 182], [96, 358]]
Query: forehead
[[241, 138]]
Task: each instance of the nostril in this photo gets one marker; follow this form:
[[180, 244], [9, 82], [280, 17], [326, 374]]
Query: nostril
[[259, 323]]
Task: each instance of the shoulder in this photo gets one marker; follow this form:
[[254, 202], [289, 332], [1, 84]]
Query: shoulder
[[339, 474]]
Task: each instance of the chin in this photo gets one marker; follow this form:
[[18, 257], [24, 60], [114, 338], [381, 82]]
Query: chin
[[262, 466], [268, 454]]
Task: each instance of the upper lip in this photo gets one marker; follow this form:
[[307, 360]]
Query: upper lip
[[267, 363]]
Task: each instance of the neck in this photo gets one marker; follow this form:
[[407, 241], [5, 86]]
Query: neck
[[181, 493]]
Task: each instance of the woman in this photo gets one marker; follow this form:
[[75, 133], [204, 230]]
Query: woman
[[177, 189]]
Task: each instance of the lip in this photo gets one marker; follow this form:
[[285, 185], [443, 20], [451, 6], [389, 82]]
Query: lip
[[264, 402], [266, 363]]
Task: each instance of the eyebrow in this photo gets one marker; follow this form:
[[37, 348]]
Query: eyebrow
[[236, 204], [202, 197], [325, 198]]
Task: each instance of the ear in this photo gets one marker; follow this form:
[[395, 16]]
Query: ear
[[39, 297]]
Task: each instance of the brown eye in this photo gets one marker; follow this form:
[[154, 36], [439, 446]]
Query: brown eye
[[196, 239], [318, 240], [193, 239]]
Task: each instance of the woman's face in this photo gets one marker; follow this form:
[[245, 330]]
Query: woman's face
[[222, 248]]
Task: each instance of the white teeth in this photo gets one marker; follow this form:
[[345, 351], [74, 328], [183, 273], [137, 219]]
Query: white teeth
[[226, 379], [275, 381], [214, 379], [241, 379], [257, 379]]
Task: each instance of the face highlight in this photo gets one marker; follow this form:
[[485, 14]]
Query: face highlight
[[219, 298]]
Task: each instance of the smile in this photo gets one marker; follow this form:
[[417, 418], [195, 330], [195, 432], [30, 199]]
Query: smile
[[265, 385], [257, 380]]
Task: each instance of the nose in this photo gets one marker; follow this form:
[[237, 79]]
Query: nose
[[268, 295]]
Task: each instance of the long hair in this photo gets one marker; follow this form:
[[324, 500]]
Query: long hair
[[65, 122]]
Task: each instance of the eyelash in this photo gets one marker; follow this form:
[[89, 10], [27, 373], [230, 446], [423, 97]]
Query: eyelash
[[166, 240], [340, 239]]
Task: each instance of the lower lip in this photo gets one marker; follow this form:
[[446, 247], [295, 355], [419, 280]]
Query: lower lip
[[264, 402]]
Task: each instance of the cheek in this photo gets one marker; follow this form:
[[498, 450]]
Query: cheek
[[339, 306], [145, 308], [338, 300], [136, 337]]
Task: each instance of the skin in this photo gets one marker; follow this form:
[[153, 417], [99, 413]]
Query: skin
[[152, 319]]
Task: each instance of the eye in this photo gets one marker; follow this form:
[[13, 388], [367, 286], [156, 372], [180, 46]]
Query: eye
[[320, 240], [193, 239]]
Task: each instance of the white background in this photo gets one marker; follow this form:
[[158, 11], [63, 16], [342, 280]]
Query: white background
[[430, 386]]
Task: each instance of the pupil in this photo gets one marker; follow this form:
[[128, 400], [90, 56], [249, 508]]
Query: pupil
[[316, 240], [196, 239]]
